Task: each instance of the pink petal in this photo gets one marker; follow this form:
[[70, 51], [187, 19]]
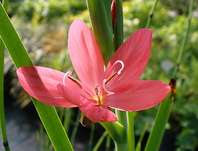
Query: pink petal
[[134, 53], [85, 54], [41, 83], [139, 96], [71, 90], [97, 113]]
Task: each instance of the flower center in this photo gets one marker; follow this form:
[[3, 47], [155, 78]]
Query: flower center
[[99, 97], [100, 92], [115, 70]]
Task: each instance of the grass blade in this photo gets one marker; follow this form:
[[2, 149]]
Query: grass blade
[[48, 115], [157, 132], [2, 106], [91, 137], [98, 144], [2, 110]]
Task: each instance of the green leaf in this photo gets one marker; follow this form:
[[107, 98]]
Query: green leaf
[[118, 25], [2, 110], [157, 132], [2, 107], [48, 115], [100, 14]]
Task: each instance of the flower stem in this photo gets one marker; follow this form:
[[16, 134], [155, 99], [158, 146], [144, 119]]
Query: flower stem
[[74, 132], [121, 147], [98, 144], [138, 147], [151, 13], [115, 130], [130, 131], [108, 143], [164, 110], [118, 24], [185, 39], [91, 138], [118, 39]]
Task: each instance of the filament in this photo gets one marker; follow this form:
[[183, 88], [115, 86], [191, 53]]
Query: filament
[[66, 76], [116, 73], [69, 75], [105, 89]]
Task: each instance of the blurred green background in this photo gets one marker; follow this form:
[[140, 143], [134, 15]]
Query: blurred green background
[[43, 26]]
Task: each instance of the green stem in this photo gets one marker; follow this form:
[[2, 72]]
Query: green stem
[[91, 138], [67, 119], [121, 147], [151, 13], [118, 25], [185, 39], [118, 39], [165, 107], [5, 4], [100, 14], [130, 131], [75, 130], [122, 117], [48, 115], [108, 143], [99, 143], [115, 130], [138, 147]]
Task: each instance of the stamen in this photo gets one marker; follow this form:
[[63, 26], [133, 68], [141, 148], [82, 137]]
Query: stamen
[[122, 66], [75, 80], [110, 78], [68, 75], [98, 97], [105, 81], [116, 73], [65, 76], [104, 87]]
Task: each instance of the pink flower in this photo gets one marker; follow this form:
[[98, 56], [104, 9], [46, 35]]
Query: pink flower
[[100, 88]]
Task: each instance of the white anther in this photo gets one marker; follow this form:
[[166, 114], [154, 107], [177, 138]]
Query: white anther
[[65, 76], [104, 87], [122, 66]]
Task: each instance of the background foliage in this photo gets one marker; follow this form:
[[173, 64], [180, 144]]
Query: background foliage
[[43, 26]]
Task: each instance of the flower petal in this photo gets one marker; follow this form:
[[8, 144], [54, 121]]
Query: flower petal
[[71, 90], [85, 54], [139, 96], [97, 113], [134, 53], [41, 83]]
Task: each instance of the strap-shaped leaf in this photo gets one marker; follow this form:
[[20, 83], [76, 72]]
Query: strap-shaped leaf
[[48, 115]]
